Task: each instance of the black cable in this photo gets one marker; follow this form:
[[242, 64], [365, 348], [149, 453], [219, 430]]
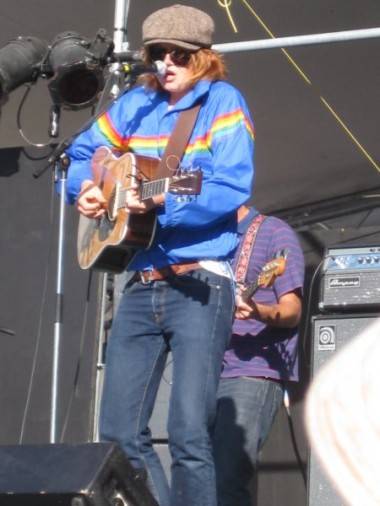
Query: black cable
[[293, 437], [306, 328], [286, 400], [18, 119], [74, 389]]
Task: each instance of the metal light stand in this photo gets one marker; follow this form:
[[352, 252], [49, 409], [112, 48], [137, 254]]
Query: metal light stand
[[120, 25], [121, 45]]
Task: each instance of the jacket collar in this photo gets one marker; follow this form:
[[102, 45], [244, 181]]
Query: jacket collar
[[199, 90]]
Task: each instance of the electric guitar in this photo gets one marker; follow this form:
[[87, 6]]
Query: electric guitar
[[109, 243], [268, 275]]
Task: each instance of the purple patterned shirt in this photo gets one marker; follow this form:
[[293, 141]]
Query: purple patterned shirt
[[256, 349]]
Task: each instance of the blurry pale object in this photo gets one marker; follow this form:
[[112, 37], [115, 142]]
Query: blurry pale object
[[343, 418]]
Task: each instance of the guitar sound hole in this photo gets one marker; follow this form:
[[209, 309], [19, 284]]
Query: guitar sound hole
[[105, 227], [111, 205]]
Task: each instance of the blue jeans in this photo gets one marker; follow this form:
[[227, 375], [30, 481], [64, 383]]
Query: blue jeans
[[245, 413], [191, 315]]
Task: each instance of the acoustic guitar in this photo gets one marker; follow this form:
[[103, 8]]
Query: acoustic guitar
[[110, 242], [268, 275]]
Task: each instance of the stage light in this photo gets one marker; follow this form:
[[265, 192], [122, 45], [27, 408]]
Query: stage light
[[20, 61], [76, 68]]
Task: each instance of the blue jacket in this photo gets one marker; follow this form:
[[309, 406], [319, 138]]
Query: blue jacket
[[201, 227]]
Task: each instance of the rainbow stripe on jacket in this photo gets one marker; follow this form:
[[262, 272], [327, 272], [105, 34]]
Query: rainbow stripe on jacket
[[223, 125]]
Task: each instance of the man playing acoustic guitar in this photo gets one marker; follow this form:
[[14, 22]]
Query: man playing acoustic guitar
[[181, 298], [262, 354]]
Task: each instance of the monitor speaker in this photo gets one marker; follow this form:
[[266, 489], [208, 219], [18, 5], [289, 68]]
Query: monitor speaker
[[93, 474], [330, 334]]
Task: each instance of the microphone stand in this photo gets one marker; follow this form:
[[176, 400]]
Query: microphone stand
[[61, 163], [115, 84], [61, 167]]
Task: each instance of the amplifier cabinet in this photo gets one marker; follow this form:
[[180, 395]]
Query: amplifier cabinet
[[330, 334], [350, 279]]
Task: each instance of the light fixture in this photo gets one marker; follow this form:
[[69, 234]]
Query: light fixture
[[20, 62], [76, 66]]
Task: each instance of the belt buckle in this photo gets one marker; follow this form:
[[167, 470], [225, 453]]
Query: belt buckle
[[146, 277]]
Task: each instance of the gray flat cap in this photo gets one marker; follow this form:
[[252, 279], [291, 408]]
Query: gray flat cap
[[181, 25]]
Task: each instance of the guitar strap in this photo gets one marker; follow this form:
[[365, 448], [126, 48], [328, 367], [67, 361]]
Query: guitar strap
[[177, 142], [246, 247]]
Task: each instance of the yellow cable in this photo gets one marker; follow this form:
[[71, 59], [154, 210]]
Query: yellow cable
[[308, 81], [350, 134], [226, 4], [272, 36]]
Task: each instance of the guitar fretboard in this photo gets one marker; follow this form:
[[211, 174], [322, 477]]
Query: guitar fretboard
[[148, 189], [250, 291], [152, 188]]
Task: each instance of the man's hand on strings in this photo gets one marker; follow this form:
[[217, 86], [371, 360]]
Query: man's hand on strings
[[286, 313], [135, 205], [245, 310], [91, 202]]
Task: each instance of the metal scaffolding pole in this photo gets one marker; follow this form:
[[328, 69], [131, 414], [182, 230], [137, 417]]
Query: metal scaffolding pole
[[297, 40], [121, 44], [120, 25]]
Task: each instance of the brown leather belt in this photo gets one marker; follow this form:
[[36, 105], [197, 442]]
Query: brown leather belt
[[167, 272]]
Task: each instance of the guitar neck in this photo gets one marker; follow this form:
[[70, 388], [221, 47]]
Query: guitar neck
[[249, 291], [152, 188]]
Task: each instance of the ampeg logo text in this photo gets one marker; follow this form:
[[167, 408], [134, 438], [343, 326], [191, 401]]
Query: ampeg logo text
[[327, 337], [351, 282]]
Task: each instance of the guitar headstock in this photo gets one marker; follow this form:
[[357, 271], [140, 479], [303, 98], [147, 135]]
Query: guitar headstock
[[186, 182], [267, 276], [271, 271]]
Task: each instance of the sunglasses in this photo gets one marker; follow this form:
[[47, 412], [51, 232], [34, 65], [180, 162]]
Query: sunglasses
[[178, 56]]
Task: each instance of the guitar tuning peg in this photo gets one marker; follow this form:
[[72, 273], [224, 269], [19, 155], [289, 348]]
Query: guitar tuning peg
[[183, 198]]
